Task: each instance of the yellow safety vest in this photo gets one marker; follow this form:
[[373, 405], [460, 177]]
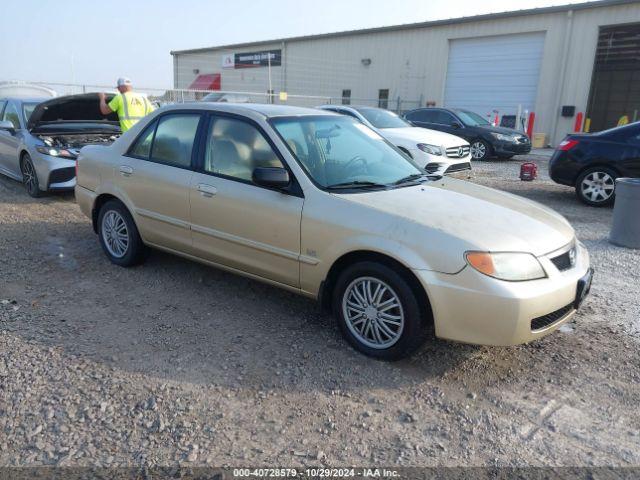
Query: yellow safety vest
[[130, 107]]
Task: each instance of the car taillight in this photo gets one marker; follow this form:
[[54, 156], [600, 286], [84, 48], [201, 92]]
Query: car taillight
[[567, 144]]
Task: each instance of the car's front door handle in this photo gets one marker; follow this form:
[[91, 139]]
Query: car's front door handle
[[126, 170], [207, 190]]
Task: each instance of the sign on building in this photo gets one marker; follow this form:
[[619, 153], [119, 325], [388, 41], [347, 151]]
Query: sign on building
[[258, 59]]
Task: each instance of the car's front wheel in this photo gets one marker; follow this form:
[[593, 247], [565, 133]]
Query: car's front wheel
[[480, 150], [30, 177], [378, 312], [119, 235], [596, 186]]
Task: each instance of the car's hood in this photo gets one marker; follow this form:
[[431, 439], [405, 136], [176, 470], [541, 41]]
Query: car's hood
[[503, 130], [422, 135], [72, 108], [481, 217]]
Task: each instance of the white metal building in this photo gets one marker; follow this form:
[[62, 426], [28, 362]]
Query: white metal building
[[585, 56]]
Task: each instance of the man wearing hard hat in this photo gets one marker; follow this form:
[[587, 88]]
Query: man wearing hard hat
[[129, 105]]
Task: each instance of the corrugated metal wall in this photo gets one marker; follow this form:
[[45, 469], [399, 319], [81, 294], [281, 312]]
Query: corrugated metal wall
[[412, 63]]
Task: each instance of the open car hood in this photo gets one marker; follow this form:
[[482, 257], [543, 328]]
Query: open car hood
[[83, 108]]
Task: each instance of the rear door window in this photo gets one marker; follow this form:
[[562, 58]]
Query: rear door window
[[174, 138], [421, 116], [443, 118]]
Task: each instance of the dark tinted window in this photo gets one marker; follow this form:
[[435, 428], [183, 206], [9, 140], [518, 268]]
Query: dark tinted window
[[174, 138], [142, 147], [444, 118], [421, 116]]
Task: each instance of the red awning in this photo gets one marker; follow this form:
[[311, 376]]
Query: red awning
[[206, 81]]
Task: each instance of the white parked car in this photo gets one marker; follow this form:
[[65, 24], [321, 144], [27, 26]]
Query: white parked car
[[437, 152]]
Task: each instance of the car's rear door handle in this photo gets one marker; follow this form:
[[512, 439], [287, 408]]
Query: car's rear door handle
[[207, 190], [126, 170]]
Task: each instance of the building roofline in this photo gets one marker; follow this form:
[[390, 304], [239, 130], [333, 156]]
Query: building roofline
[[410, 26]]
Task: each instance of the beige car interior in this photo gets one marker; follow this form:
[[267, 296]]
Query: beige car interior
[[235, 148]]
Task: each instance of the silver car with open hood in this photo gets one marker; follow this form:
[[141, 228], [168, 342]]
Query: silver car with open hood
[[40, 138]]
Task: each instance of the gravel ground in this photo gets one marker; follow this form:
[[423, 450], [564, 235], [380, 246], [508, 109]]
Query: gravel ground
[[177, 363]]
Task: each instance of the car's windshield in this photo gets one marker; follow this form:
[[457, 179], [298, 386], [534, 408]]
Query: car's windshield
[[27, 110], [339, 152], [471, 119], [380, 118]]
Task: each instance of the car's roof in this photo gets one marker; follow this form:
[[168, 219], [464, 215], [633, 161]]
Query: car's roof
[[265, 110], [352, 107], [26, 99]]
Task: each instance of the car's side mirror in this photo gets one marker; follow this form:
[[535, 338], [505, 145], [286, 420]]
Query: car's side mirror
[[271, 177], [456, 125], [8, 126]]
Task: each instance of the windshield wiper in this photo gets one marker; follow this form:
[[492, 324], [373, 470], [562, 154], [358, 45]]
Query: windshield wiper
[[356, 184], [410, 178]]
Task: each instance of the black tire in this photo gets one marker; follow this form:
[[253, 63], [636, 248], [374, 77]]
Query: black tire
[[135, 251], [30, 177], [602, 181], [480, 150], [415, 324]]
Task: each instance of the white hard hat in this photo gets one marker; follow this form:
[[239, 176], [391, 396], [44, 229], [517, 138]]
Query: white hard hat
[[122, 81]]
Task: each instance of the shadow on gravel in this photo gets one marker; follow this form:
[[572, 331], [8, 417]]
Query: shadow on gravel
[[179, 320]]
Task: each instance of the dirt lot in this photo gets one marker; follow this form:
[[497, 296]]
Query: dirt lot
[[174, 362]]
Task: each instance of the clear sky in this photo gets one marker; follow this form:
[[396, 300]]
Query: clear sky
[[81, 41]]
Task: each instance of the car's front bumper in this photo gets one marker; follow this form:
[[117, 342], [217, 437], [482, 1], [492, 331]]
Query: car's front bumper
[[440, 164], [511, 148], [473, 308], [54, 173]]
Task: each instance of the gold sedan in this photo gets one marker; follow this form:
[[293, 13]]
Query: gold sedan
[[321, 205]]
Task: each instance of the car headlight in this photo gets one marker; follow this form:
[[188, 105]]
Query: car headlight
[[513, 267], [503, 138], [56, 152], [431, 149]]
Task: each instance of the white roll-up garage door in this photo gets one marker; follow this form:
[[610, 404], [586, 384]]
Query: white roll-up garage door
[[494, 73]]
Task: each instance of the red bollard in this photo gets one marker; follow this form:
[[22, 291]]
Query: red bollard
[[528, 171], [532, 119], [578, 126]]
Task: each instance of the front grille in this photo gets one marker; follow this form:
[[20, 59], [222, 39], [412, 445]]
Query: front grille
[[458, 167], [550, 318], [563, 262], [458, 152], [62, 175]]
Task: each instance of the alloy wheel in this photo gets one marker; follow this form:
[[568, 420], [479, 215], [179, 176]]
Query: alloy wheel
[[478, 150], [598, 186], [29, 177], [115, 234], [373, 312]]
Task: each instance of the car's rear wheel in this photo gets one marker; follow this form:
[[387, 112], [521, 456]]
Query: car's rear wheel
[[480, 150], [119, 235], [30, 177], [596, 186], [378, 312]]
